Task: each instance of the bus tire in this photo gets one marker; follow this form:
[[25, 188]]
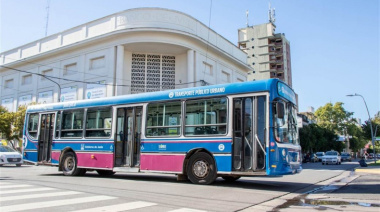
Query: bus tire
[[69, 165], [230, 178], [105, 172], [201, 169]]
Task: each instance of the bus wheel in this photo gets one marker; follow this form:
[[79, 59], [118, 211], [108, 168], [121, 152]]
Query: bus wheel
[[201, 169], [69, 165], [105, 172], [231, 178]]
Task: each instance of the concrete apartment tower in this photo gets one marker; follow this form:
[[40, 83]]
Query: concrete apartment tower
[[268, 52]]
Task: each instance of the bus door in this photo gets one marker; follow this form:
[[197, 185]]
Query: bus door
[[45, 137], [249, 128], [128, 136]]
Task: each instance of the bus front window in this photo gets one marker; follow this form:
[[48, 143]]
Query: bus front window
[[285, 123]]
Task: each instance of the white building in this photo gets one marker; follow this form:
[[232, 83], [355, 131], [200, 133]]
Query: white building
[[133, 51]]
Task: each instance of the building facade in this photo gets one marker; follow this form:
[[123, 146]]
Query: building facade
[[133, 51], [268, 53]]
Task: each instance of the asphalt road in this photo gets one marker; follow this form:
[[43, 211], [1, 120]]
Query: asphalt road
[[42, 188]]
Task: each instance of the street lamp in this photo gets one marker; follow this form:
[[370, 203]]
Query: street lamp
[[370, 122]]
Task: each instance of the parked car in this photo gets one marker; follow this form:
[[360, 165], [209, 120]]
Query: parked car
[[10, 156], [378, 155], [320, 155], [332, 157], [345, 156], [310, 158]]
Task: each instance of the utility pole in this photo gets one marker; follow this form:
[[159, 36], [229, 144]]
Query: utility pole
[[47, 16]]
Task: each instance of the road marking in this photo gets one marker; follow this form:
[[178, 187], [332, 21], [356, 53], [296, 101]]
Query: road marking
[[4, 183], [186, 210], [54, 203], [25, 190], [14, 186], [32, 196], [120, 207]]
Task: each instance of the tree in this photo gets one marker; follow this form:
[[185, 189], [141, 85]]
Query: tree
[[366, 127], [334, 117], [12, 124], [315, 138]]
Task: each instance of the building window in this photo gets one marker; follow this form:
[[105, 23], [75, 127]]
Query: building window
[[26, 79], [226, 77], [70, 69], [96, 63], [9, 83], [152, 73], [46, 73], [207, 68]]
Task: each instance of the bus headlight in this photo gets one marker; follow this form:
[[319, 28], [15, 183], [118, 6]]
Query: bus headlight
[[283, 152]]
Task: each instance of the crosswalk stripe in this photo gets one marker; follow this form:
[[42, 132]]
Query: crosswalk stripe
[[32, 196], [14, 186], [4, 183], [186, 210], [120, 207], [54, 203], [25, 190]]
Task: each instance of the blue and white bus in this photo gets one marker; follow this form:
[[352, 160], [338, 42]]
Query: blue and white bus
[[227, 130]]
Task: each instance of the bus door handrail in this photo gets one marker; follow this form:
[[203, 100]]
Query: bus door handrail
[[261, 146]]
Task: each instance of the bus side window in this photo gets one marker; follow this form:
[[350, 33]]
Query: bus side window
[[99, 121], [164, 119], [33, 125], [58, 124], [72, 123], [206, 117]]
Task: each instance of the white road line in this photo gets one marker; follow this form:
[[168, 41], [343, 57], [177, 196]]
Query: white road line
[[5, 183], [14, 186], [186, 210], [32, 196], [25, 190], [120, 207], [55, 203]]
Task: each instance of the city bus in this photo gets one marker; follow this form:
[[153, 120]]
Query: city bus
[[199, 133]]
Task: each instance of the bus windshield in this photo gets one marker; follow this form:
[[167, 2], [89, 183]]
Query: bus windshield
[[285, 125]]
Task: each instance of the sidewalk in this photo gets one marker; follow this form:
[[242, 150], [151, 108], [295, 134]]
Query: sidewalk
[[369, 169], [352, 191]]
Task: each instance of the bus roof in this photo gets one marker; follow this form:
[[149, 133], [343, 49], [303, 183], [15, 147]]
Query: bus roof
[[277, 88]]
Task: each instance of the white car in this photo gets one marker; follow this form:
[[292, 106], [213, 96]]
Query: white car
[[10, 156], [332, 157]]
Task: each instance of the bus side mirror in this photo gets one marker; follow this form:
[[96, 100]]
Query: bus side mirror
[[280, 110]]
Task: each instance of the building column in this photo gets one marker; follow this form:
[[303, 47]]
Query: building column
[[119, 70], [190, 68]]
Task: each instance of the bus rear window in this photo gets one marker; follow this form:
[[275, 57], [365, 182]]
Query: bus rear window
[[33, 124]]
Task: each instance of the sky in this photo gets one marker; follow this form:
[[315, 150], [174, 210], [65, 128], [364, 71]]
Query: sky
[[334, 44]]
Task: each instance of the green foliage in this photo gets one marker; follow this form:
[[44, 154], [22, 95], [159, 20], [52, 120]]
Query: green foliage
[[6, 120], [12, 124], [334, 117], [315, 138]]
